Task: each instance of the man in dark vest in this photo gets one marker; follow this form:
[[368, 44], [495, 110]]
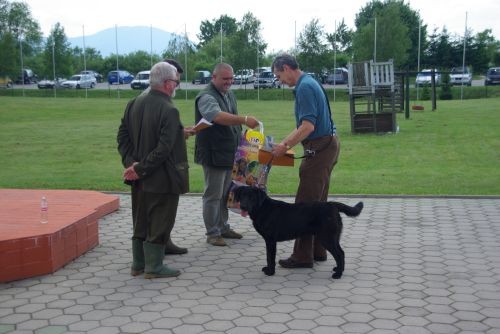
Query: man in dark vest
[[152, 144], [215, 149]]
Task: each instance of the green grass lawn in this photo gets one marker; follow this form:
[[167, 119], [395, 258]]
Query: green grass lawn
[[70, 143]]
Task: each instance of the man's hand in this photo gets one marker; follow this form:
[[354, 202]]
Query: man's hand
[[251, 122], [279, 150], [129, 173], [189, 131]]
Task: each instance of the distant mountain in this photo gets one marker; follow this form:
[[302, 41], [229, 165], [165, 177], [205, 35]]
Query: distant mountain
[[129, 39]]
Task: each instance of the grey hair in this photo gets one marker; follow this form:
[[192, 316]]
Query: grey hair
[[160, 72], [284, 59], [222, 66]]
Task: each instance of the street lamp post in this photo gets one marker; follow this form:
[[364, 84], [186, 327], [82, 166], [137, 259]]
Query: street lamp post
[[221, 42], [22, 63], [54, 66], [375, 42]]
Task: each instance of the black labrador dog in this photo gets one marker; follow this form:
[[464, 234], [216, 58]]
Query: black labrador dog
[[280, 221]]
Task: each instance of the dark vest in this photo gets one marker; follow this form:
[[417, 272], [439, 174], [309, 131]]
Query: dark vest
[[216, 145]]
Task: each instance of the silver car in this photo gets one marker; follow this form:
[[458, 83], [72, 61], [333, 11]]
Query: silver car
[[460, 76], [425, 76], [80, 81]]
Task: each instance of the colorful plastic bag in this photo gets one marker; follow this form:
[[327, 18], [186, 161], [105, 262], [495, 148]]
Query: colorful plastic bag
[[247, 170]]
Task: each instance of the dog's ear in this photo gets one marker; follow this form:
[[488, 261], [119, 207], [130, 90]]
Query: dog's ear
[[260, 196], [237, 194]]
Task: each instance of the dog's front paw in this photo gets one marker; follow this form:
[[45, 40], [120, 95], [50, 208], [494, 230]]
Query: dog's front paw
[[336, 273], [268, 271]]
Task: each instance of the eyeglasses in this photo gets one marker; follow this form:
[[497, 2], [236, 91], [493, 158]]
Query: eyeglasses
[[177, 82]]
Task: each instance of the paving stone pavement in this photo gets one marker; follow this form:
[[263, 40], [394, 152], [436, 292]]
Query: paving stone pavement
[[413, 265]]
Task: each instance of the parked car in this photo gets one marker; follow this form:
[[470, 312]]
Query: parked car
[[337, 76], [259, 70], [28, 77], [244, 76], [316, 76], [425, 76], [6, 82], [492, 76], [460, 76], [49, 84], [80, 81], [141, 80], [97, 76], [266, 79], [202, 77], [120, 77]]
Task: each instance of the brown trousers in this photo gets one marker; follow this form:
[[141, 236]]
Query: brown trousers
[[314, 173]]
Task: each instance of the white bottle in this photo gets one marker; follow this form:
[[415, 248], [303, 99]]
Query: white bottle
[[44, 211]]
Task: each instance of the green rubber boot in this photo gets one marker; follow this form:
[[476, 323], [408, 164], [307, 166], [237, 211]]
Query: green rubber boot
[[154, 253], [138, 262]]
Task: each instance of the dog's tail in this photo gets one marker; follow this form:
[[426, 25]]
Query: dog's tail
[[351, 211]]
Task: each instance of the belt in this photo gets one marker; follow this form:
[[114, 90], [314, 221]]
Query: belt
[[308, 141], [308, 153]]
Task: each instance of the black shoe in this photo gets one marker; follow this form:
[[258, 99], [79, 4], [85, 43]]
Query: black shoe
[[172, 249], [320, 258], [290, 263]]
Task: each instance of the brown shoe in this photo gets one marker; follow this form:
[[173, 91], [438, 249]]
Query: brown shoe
[[290, 263], [231, 234], [216, 241]]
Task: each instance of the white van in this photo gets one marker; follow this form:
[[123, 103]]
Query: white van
[[259, 70], [141, 80]]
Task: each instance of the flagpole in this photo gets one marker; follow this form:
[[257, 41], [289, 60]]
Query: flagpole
[[185, 59], [151, 47], [84, 57], [334, 60], [54, 63], [463, 60], [117, 70]]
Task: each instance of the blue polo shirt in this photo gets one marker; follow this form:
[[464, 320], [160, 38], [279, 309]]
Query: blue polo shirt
[[311, 105]]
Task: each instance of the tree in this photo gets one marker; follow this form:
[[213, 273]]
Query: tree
[[57, 51], [397, 32], [17, 26], [94, 59], [392, 41], [482, 51], [341, 39], [8, 56], [445, 93], [178, 47], [224, 25], [246, 44], [139, 61], [312, 49], [440, 50]]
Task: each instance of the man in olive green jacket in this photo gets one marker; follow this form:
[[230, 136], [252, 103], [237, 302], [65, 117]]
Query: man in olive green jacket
[[151, 142]]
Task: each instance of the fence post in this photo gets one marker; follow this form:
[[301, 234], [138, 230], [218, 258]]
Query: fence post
[[407, 97]]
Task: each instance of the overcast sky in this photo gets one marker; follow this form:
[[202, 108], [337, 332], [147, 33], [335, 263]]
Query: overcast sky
[[281, 21]]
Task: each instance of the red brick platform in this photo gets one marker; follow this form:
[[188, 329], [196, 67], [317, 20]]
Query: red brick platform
[[29, 248]]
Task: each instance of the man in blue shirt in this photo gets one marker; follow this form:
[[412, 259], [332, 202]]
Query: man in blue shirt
[[317, 133]]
